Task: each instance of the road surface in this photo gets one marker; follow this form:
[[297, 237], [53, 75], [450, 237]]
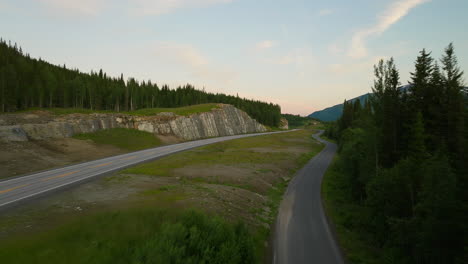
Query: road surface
[[30, 186], [302, 231]]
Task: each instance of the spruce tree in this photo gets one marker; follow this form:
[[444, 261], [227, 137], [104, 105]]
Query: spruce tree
[[420, 80], [452, 78]]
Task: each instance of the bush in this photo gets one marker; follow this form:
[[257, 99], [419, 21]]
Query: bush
[[197, 238], [136, 236]]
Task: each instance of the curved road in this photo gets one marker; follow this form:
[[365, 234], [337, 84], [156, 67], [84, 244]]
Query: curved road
[[21, 188], [302, 231]]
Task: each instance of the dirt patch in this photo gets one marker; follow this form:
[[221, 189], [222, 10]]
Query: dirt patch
[[296, 140], [232, 202], [295, 149], [34, 117], [258, 178], [17, 158], [169, 139]]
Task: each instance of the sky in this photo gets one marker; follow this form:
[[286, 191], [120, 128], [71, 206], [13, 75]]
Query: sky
[[304, 55]]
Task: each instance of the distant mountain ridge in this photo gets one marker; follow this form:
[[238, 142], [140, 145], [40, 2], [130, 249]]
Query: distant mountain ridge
[[333, 113]]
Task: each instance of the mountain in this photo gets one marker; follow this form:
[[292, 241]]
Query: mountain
[[333, 113]]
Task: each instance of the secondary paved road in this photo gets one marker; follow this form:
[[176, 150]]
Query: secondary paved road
[[302, 232], [20, 188]]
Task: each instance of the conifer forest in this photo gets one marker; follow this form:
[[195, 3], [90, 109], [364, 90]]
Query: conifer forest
[[26, 82], [403, 161]]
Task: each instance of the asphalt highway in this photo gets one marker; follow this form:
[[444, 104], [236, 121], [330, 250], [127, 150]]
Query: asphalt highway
[[302, 234], [18, 189]]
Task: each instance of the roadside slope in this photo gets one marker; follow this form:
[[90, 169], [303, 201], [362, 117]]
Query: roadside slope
[[21, 188], [239, 180]]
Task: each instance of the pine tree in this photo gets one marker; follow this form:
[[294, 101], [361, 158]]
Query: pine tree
[[439, 238], [453, 82], [420, 80]]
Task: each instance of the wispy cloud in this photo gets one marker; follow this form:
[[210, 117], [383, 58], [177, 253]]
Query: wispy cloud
[[188, 59], [158, 7], [335, 49], [139, 7], [385, 20], [180, 54], [74, 7], [325, 12], [297, 57], [266, 44], [351, 67]]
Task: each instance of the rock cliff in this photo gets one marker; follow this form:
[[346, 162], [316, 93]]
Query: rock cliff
[[223, 121], [284, 124]]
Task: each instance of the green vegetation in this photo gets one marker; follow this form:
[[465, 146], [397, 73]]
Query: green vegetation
[[64, 111], [26, 82], [346, 217], [182, 111], [141, 235], [227, 153], [133, 231], [296, 121], [397, 193], [241, 153], [124, 138], [334, 113]]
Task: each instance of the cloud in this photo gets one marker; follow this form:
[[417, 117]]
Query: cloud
[[266, 44], [297, 57], [385, 20], [285, 60], [335, 49], [186, 58], [180, 54], [158, 7], [81, 7], [325, 12], [139, 7], [351, 67]]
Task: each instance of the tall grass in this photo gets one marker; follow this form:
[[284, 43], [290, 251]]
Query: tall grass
[[343, 215], [137, 236], [182, 111], [124, 138]]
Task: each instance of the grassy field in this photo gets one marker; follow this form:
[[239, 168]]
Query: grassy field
[[341, 213], [127, 139], [137, 236], [183, 111], [235, 186], [240, 151]]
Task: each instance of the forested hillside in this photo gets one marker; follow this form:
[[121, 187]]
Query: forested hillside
[[333, 113], [403, 164], [26, 82], [295, 121]]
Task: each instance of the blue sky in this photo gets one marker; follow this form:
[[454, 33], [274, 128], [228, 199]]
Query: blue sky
[[303, 55]]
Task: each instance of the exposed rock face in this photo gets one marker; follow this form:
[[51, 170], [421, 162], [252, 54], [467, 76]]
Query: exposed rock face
[[224, 121], [284, 124]]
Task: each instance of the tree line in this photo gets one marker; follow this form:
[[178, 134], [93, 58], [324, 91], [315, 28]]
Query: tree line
[[403, 157], [26, 82], [295, 121]]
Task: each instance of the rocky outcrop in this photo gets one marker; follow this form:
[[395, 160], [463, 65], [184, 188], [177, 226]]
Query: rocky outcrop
[[284, 124], [223, 121]]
